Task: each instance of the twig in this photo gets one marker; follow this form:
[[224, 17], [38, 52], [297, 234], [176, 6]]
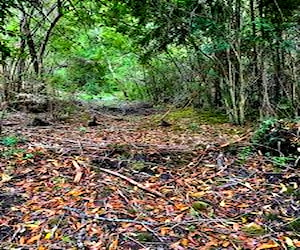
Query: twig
[[154, 233], [166, 113], [123, 196], [187, 222], [80, 238], [133, 182], [97, 217], [135, 241], [80, 147], [297, 162], [235, 141], [145, 223]]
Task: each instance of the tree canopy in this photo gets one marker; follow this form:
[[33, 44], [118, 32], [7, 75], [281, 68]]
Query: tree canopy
[[238, 56]]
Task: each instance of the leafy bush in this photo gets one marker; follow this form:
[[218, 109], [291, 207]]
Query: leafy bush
[[264, 127], [278, 139], [81, 74]]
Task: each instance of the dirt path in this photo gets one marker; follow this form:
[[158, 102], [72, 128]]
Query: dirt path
[[130, 184]]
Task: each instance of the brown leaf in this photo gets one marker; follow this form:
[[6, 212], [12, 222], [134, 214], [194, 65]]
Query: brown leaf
[[78, 170], [269, 245], [33, 239], [114, 245]]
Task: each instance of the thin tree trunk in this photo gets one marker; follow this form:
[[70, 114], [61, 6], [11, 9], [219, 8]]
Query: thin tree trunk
[[232, 89], [48, 34], [255, 56], [30, 43]]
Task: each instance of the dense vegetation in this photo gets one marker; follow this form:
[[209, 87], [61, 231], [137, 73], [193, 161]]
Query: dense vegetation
[[240, 57]]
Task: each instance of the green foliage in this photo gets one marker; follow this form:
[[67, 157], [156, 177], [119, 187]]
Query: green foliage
[[81, 74], [67, 239], [245, 153], [102, 63], [278, 140], [280, 9], [10, 141], [294, 225], [28, 156], [83, 130], [264, 127], [194, 126], [281, 161], [161, 50], [286, 108], [8, 153], [271, 217], [192, 228], [144, 237], [5, 12]]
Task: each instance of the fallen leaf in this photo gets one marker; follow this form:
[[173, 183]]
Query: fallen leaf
[[283, 188], [42, 248], [236, 227], [33, 239], [197, 194], [222, 203], [75, 192], [248, 185], [22, 240], [269, 245], [32, 226], [78, 170], [226, 244], [296, 243], [114, 245], [184, 242], [48, 236], [181, 207], [5, 177], [164, 231], [253, 229], [289, 242], [200, 205]]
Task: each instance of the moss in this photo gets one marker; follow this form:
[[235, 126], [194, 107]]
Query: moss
[[137, 165], [213, 117], [200, 205], [183, 113], [195, 117], [145, 237], [254, 229], [272, 217], [106, 192]]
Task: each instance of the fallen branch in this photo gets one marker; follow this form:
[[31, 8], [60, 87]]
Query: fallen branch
[[98, 217], [145, 223], [246, 136], [133, 182]]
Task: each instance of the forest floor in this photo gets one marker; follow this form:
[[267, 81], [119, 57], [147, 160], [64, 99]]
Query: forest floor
[[129, 183]]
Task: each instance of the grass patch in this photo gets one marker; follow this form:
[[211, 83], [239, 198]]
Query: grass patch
[[198, 116]]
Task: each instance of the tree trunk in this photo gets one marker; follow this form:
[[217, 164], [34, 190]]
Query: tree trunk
[[30, 42]]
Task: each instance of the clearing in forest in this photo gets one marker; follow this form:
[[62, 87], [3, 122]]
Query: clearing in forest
[[129, 183]]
